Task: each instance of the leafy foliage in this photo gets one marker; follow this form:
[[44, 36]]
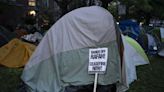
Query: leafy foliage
[[158, 8], [141, 10]]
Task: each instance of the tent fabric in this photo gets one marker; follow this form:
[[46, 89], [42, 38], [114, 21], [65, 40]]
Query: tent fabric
[[143, 41], [137, 47], [130, 28], [161, 53], [61, 58], [148, 42], [133, 56], [162, 34], [151, 41], [15, 53]]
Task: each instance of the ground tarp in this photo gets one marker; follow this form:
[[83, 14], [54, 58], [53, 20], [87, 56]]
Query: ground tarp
[[15, 53]]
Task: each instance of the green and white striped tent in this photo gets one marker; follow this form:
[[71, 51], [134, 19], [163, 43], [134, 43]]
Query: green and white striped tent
[[61, 58], [133, 55]]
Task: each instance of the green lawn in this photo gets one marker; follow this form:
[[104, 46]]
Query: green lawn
[[150, 78], [9, 79]]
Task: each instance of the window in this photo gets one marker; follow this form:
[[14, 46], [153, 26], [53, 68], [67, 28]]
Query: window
[[32, 3]]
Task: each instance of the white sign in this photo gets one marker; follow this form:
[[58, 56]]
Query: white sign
[[97, 60]]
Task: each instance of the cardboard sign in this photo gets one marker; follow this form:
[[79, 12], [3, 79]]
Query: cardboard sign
[[97, 60]]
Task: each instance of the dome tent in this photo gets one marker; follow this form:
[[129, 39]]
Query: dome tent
[[149, 43], [61, 59], [133, 55]]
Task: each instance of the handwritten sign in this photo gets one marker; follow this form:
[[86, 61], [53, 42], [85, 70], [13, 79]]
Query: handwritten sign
[[97, 60]]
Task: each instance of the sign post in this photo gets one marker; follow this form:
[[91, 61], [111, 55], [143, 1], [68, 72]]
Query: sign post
[[97, 63], [95, 82]]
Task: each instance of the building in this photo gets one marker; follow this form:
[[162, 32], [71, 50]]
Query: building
[[13, 12]]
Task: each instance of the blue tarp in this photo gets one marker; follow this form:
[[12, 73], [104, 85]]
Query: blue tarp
[[130, 28]]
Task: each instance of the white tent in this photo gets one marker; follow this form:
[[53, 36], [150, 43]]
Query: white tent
[[133, 56], [61, 58]]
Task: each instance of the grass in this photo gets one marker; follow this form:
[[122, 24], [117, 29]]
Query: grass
[[150, 78], [9, 79]]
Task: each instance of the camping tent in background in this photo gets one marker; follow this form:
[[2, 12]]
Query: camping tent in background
[[139, 55], [161, 53], [162, 34], [152, 45], [148, 43], [133, 56], [15, 53], [130, 28]]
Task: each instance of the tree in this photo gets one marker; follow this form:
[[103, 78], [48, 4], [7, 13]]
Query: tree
[[63, 5], [137, 9], [68, 5], [158, 8], [105, 3], [144, 10]]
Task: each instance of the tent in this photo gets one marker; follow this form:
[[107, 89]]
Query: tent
[[61, 58], [161, 53], [148, 42], [130, 27], [162, 34], [133, 56], [60, 62], [152, 45], [15, 53]]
